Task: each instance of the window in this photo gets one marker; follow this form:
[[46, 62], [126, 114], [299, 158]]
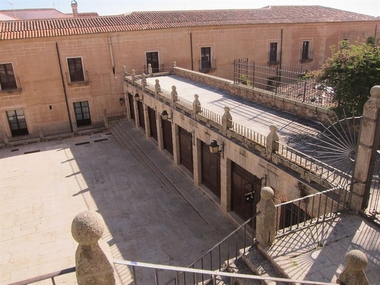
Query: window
[[75, 69], [205, 58], [306, 51], [273, 53], [7, 77], [17, 123]]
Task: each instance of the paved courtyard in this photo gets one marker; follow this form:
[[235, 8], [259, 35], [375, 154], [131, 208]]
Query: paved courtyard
[[150, 217]]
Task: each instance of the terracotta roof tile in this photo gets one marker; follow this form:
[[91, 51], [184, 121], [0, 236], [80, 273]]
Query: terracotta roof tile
[[173, 19]]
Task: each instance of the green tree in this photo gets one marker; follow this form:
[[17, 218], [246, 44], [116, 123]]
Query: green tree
[[352, 71]]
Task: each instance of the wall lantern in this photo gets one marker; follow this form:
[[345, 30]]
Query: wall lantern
[[137, 97], [121, 101], [165, 115], [214, 148]]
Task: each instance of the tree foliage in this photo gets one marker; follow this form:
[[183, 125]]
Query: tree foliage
[[352, 71]]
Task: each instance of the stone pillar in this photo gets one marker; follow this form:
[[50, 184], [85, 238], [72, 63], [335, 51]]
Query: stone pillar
[[196, 106], [266, 220], [150, 70], [93, 259], [367, 148], [226, 120], [354, 273], [272, 142]]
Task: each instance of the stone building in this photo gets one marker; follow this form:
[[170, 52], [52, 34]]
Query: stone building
[[59, 74]]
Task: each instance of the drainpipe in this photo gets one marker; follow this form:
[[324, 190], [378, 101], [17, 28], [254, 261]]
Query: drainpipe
[[282, 38], [191, 51], [375, 33], [64, 86], [112, 57]]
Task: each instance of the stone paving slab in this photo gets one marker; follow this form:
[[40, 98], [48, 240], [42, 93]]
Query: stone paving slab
[[318, 253], [41, 192]]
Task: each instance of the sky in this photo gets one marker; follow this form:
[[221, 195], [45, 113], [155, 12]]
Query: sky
[[115, 7]]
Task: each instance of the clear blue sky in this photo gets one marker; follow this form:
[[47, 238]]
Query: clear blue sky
[[113, 7]]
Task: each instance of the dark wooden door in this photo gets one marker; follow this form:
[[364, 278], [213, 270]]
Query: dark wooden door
[[131, 106], [186, 149], [140, 109], [167, 135], [17, 123], [152, 123], [243, 183], [82, 113], [152, 58], [210, 163]]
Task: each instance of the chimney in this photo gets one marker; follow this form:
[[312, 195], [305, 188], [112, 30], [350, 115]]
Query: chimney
[[74, 6]]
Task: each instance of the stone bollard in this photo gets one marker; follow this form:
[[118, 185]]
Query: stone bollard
[[93, 259], [354, 273], [266, 221]]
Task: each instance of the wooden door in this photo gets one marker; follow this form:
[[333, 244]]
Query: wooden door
[[131, 106], [167, 135], [210, 164], [242, 184], [152, 123], [186, 149], [140, 109]]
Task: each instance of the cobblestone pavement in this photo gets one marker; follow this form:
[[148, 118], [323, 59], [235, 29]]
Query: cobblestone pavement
[[149, 218]]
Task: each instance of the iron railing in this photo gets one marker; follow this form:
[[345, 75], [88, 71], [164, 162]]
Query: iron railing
[[44, 277], [193, 276], [311, 209]]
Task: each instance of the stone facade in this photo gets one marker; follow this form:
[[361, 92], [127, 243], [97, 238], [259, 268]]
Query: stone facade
[[46, 95]]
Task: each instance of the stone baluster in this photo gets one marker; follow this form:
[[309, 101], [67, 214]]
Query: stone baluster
[[354, 273], [226, 120], [150, 70], [157, 87], [174, 95], [266, 220], [93, 259], [143, 81], [272, 142], [197, 108]]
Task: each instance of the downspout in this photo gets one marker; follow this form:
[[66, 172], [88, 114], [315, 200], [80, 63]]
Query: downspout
[[112, 57], [191, 51], [375, 33], [282, 38], [64, 86]]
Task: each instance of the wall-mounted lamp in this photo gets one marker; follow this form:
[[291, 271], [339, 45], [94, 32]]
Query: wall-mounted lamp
[[165, 115], [121, 101], [137, 97], [214, 148]]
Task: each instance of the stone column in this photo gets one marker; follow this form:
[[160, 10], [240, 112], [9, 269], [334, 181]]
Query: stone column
[[93, 259], [266, 220], [367, 149], [354, 273], [272, 142]]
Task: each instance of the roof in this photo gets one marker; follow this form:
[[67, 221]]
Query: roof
[[28, 14], [137, 21]]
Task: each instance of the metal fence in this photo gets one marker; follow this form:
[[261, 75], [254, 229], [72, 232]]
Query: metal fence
[[289, 83]]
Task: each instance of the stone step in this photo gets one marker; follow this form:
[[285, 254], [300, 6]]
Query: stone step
[[261, 265]]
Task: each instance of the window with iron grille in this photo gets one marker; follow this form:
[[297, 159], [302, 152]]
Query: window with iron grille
[[7, 77], [273, 52], [75, 69], [206, 58], [306, 51]]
